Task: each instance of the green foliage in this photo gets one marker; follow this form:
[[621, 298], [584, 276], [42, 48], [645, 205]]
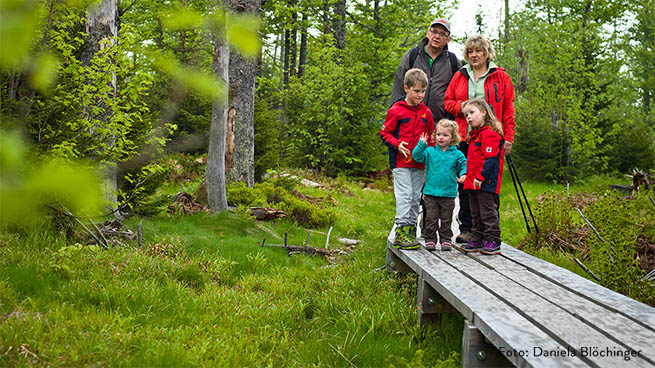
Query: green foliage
[[28, 187], [620, 221], [138, 192], [576, 100], [277, 193]]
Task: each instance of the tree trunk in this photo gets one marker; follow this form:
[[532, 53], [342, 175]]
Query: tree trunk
[[215, 174], [101, 25], [340, 24], [285, 51], [303, 46], [240, 126], [506, 22], [293, 46], [326, 18]]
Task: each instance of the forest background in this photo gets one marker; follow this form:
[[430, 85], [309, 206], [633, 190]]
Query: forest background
[[322, 72], [115, 91]]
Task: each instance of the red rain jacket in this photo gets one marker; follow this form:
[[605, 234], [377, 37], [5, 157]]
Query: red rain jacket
[[485, 161], [405, 123], [499, 94]]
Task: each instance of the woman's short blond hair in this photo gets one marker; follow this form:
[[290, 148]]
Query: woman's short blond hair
[[480, 41], [452, 127]]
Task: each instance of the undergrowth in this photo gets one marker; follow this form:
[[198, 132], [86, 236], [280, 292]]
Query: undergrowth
[[620, 254]]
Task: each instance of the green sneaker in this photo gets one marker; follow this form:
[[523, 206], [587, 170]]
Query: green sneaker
[[408, 239], [398, 236]]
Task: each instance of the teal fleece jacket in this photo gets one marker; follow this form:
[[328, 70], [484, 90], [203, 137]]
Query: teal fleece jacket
[[441, 169]]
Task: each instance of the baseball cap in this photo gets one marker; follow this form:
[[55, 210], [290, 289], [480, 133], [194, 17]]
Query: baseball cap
[[442, 22]]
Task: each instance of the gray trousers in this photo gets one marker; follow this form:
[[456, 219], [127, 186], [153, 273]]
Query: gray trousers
[[438, 209], [407, 186]]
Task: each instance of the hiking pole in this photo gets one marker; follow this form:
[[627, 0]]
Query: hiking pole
[[527, 204], [511, 172]]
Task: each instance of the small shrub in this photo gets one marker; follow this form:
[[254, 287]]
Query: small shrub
[[623, 222], [276, 193]]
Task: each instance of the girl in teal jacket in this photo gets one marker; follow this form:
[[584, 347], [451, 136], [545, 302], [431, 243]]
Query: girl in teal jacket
[[445, 166]]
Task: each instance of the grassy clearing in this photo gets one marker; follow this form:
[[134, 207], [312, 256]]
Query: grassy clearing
[[202, 292]]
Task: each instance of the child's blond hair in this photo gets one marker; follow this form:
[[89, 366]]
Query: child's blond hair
[[452, 128], [489, 117], [415, 77]]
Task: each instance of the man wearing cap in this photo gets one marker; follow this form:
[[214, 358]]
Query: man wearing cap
[[432, 56]]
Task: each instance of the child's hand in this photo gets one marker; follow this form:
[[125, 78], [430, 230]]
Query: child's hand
[[424, 137], [402, 147], [461, 179], [476, 184]]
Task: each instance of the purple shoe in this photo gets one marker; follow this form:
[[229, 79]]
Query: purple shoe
[[446, 246], [472, 246], [430, 245], [490, 248]]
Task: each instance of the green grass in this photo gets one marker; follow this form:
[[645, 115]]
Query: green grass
[[203, 292]]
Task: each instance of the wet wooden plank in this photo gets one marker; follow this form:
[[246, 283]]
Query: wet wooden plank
[[500, 323], [630, 333], [568, 330], [609, 299]]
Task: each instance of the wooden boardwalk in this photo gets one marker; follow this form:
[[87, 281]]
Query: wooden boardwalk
[[533, 313]]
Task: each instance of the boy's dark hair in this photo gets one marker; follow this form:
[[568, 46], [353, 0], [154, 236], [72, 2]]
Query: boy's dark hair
[[415, 77]]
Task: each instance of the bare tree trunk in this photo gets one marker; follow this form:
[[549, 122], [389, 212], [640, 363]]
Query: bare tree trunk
[[102, 25], [285, 50], [215, 174], [303, 46], [326, 18], [293, 45], [506, 22], [340, 24], [241, 114]]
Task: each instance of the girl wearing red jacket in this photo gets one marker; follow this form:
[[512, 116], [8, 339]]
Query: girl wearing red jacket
[[480, 78], [484, 174]]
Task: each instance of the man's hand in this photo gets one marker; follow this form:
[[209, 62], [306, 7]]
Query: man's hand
[[461, 179], [476, 184], [402, 147]]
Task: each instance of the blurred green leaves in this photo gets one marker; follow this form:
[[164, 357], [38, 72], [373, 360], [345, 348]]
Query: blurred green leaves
[[19, 20], [242, 33], [26, 188]]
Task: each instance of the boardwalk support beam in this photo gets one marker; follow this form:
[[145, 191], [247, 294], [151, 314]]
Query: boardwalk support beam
[[477, 352]]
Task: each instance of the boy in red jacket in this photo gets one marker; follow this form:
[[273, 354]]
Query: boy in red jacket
[[406, 120]]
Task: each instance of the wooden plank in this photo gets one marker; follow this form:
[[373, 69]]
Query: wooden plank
[[500, 323], [630, 333], [639, 312], [572, 333]]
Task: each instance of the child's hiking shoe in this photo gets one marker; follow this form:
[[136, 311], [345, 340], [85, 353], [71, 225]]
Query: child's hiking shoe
[[411, 231], [397, 236], [430, 245], [472, 246], [490, 248], [446, 246], [408, 239]]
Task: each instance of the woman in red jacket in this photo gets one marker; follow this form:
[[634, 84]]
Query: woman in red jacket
[[480, 78]]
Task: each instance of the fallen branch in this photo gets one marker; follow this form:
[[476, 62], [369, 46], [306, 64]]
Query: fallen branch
[[586, 269], [265, 213], [294, 249]]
